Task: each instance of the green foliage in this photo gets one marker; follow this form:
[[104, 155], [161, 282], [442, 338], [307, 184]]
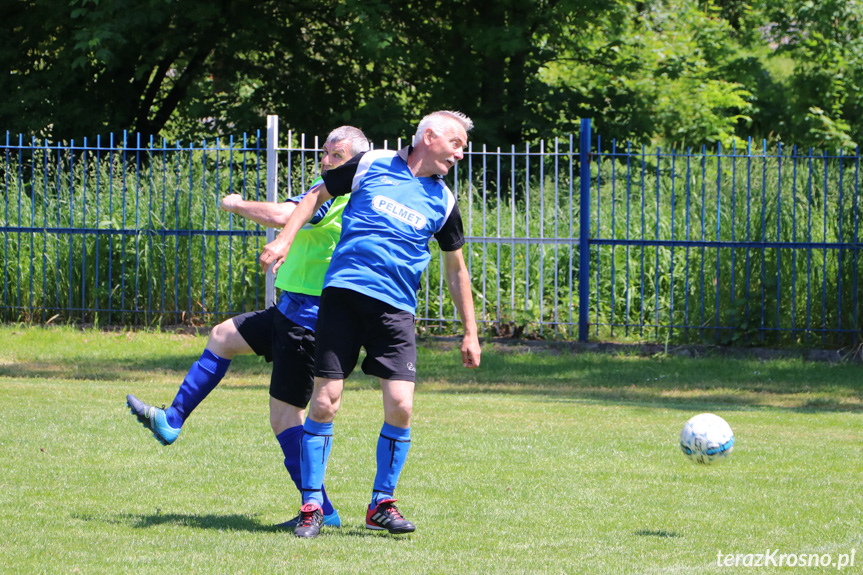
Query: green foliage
[[673, 72]]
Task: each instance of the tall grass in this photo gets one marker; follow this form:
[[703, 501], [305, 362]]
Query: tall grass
[[131, 235], [746, 247], [751, 247]]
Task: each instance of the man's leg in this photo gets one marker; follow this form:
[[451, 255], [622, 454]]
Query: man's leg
[[315, 452], [395, 438], [287, 423], [392, 451], [318, 435], [224, 343]]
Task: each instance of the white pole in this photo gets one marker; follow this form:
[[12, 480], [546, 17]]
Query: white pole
[[272, 194]]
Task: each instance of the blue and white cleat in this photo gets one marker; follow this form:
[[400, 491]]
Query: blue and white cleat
[[332, 520], [153, 419]]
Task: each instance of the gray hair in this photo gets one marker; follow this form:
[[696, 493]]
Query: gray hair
[[358, 140], [439, 121]]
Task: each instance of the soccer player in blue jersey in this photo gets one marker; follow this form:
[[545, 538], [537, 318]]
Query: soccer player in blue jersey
[[398, 202], [283, 334]]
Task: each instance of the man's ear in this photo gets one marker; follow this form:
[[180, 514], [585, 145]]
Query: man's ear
[[429, 135]]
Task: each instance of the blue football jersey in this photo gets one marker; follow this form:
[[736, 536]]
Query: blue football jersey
[[387, 225]]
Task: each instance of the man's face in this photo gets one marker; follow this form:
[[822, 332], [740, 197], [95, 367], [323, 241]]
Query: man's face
[[335, 154], [447, 148]]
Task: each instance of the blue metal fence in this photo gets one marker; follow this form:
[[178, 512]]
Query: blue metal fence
[[747, 246]]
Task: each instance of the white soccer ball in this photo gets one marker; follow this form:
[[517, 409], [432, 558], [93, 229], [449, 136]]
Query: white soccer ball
[[707, 439]]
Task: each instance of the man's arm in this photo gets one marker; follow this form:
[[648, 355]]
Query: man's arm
[[458, 281], [267, 214], [274, 253]]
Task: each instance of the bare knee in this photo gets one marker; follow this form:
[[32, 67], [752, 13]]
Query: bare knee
[[225, 341], [398, 402], [284, 415], [326, 399], [399, 415]]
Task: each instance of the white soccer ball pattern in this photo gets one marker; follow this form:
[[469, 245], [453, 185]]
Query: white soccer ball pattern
[[707, 439]]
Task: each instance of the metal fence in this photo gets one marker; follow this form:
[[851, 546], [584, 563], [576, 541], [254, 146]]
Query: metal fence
[[729, 246]]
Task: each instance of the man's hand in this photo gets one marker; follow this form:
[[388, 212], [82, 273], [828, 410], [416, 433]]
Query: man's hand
[[276, 251], [470, 352], [230, 202], [274, 254]]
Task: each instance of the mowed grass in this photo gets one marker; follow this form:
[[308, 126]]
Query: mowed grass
[[541, 461]]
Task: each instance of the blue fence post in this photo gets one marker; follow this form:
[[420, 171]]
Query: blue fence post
[[584, 232]]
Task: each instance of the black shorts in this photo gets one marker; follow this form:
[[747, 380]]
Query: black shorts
[[289, 346], [349, 320]]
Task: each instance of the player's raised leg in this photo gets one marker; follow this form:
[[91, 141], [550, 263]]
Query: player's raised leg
[[224, 343]]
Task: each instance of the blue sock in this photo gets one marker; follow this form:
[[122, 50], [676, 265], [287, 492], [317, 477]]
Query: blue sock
[[315, 452], [393, 445], [204, 375], [290, 440]]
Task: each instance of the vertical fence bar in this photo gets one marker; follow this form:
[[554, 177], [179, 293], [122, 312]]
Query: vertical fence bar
[[718, 238], [671, 249], [99, 231], [6, 192], [701, 289], [778, 235], [809, 250], [733, 230], [642, 237], [571, 234], [748, 223], [613, 232], [824, 255], [763, 323], [32, 215], [45, 208], [656, 273], [598, 223], [203, 227], [584, 232], [856, 236], [627, 296], [541, 286], [840, 237], [272, 195], [793, 239], [688, 235]]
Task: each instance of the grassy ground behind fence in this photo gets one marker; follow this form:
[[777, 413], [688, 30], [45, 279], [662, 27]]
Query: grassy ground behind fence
[[544, 460]]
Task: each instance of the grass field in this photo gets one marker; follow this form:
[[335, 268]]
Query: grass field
[[541, 461]]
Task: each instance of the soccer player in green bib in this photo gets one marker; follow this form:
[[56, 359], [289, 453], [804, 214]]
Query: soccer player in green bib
[[283, 334]]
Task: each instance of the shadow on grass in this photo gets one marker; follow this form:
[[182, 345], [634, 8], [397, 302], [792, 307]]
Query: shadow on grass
[[549, 375], [232, 522], [127, 369]]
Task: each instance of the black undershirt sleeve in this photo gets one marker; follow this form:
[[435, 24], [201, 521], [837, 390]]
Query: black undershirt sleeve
[[451, 236], [339, 180]]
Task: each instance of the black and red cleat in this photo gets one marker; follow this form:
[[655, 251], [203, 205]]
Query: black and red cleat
[[387, 516], [310, 520]]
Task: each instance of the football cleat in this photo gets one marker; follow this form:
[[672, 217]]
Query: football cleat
[[387, 516], [330, 520], [310, 520], [153, 419]]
